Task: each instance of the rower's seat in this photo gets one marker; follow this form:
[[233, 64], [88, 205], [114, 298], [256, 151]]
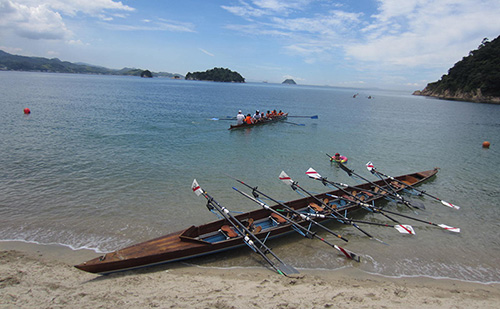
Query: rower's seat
[[347, 197], [378, 191], [277, 219], [316, 208], [228, 231], [249, 224]]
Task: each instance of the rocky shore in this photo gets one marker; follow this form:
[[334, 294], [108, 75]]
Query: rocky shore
[[475, 96]]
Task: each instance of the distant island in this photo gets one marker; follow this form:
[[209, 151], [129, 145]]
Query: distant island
[[476, 78], [9, 62], [216, 75], [289, 82]]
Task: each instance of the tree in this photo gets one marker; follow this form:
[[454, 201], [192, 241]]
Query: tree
[[146, 73]]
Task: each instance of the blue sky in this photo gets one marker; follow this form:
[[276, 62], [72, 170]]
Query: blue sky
[[391, 44]]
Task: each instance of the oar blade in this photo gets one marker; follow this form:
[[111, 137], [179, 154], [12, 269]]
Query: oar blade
[[349, 254], [314, 117], [405, 229], [286, 269], [313, 174], [445, 203], [370, 166], [196, 188], [285, 178], [449, 228]]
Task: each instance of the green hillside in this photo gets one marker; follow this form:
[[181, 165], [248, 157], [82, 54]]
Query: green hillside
[[9, 62], [474, 78]]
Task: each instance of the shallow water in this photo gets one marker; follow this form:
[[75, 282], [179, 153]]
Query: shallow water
[[105, 161]]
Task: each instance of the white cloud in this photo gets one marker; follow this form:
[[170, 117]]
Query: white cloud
[[32, 20], [295, 78], [259, 8], [89, 7], [206, 52], [11, 50], [76, 42], [160, 25], [400, 34], [35, 22], [423, 32]]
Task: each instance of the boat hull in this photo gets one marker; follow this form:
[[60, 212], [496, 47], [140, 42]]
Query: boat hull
[[246, 125], [207, 238]]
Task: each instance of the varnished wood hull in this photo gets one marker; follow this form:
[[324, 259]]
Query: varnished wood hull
[[187, 243]]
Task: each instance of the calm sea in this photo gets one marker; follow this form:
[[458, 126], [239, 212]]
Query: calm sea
[[104, 161]]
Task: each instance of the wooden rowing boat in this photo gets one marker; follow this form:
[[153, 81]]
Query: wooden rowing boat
[[211, 238], [267, 121]]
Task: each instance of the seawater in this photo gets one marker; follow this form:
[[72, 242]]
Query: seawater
[[103, 162]]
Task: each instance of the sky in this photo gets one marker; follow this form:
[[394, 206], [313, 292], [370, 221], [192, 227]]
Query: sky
[[389, 44]]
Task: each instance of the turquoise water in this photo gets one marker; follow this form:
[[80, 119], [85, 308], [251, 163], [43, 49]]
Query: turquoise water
[[103, 162]]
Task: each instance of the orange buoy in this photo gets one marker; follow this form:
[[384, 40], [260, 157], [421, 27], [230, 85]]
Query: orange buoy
[[27, 111], [486, 144]]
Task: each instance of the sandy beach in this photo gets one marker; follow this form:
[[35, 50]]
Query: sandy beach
[[45, 278]]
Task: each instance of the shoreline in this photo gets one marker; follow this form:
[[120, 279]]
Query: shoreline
[[43, 276]]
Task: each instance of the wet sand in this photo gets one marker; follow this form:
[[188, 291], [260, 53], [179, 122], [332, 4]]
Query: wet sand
[[43, 277]]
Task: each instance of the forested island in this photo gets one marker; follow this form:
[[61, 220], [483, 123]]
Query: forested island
[[9, 62], [475, 78], [216, 75], [289, 82]]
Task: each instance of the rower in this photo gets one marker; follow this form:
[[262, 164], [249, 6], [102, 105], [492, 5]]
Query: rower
[[256, 116], [240, 118], [248, 119]]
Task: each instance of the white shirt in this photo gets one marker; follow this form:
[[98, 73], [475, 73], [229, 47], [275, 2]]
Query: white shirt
[[240, 118]]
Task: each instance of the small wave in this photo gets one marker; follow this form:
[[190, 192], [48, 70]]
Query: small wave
[[96, 250]]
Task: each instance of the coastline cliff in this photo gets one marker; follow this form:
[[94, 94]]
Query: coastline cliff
[[475, 78]]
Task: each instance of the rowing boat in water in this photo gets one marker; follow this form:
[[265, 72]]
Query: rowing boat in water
[[267, 121], [218, 236]]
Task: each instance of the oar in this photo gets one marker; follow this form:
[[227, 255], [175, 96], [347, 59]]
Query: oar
[[414, 204], [307, 217], [248, 237], [227, 118], [348, 254], [372, 169], [297, 124], [394, 194], [443, 226], [378, 210], [286, 179], [312, 117], [404, 229]]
